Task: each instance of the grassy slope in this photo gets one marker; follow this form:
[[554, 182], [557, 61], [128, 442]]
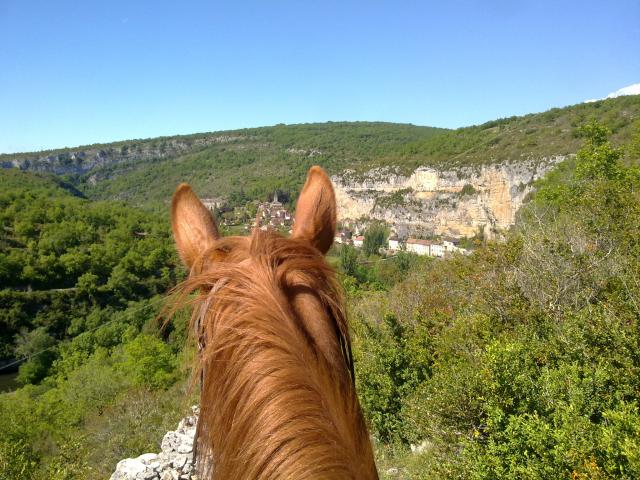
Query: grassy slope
[[260, 160], [530, 136], [268, 158], [264, 159], [12, 179]]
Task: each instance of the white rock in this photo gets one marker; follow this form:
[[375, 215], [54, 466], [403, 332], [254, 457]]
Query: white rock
[[185, 448], [432, 198], [421, 447], [128, 469], [170, 441], [148, 457], [174, 462], [179, 461]]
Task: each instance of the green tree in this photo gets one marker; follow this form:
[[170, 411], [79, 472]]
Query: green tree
[[150, 362], [598, 159], [37, 347], [349, 260], [375, 238]]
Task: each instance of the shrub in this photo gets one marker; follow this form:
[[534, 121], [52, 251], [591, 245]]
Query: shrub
[[468, 189], [149, 361]]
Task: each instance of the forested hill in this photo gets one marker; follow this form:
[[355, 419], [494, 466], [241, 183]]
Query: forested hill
[[67, 263], [247, 164], [528, 345], [81, 285]]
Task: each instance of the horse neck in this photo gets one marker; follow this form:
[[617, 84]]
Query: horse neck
[[277, 402]]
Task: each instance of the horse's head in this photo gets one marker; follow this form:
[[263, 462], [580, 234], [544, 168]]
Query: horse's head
[[278, 398], [196, 232], [296, 265]]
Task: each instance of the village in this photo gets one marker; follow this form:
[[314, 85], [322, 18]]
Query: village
[[430, 248], [274, 215]]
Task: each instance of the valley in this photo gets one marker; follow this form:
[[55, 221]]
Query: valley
[[421, 181], [461, 360]]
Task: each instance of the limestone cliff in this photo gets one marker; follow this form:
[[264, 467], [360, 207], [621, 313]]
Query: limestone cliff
[[432, 201], [81, 160]]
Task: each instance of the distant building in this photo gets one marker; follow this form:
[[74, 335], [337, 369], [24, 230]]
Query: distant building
[[212, 203], [394, 244], [358, 241], [450, 244], [342, 237], [426, 247], [276, 204], [437, 250], [419, 246], [274, 214]]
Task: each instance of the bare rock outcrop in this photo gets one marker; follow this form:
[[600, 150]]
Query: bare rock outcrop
[[87, 159], [174, 462], [457, 202]]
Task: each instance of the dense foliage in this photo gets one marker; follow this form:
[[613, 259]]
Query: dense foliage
[[250, 164], [81, 289], [111, 392], [67, 263], [519, 361], [523, 360]]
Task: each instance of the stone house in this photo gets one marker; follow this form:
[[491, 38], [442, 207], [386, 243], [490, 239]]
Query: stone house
[[437, 250], [450, 244], [419, 246], [273, 213], [394, 244], [343, 237]]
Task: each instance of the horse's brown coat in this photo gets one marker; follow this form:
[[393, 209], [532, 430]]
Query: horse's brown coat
[[278, 399]]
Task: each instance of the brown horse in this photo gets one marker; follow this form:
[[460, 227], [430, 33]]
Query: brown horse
[[278, 399]]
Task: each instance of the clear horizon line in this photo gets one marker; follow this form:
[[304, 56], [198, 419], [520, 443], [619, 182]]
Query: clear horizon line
[[206, 132]]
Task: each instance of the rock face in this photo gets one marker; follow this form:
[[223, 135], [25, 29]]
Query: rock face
[[83, 160], [174, 462], [457, 203]]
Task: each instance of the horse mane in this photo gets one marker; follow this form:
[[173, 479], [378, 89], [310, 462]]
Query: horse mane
[[277, 400]]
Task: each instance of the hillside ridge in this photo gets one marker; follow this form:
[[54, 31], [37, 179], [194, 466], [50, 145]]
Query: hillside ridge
[[242, 166]]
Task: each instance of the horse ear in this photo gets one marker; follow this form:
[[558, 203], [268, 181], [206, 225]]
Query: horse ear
[[315, 218], [194, 228]]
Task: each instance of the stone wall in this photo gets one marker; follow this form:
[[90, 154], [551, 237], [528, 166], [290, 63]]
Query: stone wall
[[174, 462]]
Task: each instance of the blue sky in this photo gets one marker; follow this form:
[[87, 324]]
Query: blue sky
[[81, 72]]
